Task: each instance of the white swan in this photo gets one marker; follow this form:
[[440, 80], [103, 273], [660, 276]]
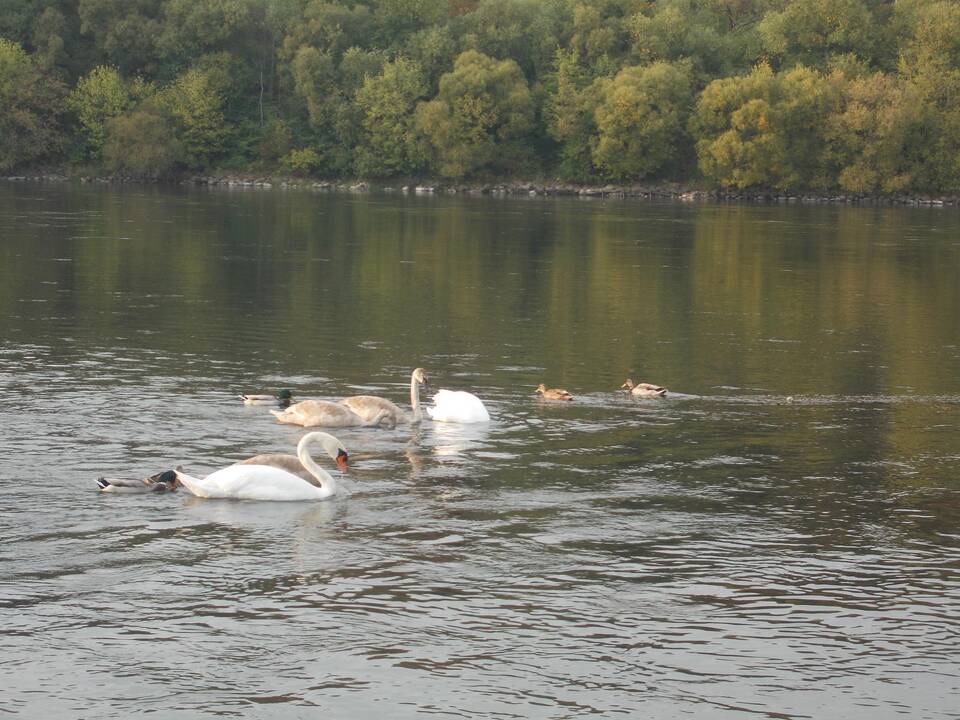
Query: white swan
[[324, 413], [367, 406], [458, 406], [268, 482]]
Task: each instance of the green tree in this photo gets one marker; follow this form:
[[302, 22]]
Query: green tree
[[707, 34], [526, 31], [766, 130], [194, 27], [98, 97], [641, 120], [30, 104], [812, 31], [872, 132], [930, 64], [329, 27], [315, 77], [195, 101], [390, 143], [141, 143], [483, 109], [569, 114], [124, 32]]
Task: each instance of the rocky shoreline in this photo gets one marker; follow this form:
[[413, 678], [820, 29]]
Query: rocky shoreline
[[514, 188]]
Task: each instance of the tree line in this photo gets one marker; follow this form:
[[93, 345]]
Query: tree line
[[859, 96]]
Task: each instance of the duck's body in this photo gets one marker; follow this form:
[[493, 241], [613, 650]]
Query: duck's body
[[165, 481], [324, 413], [248, 481], [369, 406], [553, 393], [458, 406], [643, 389], [282, 398]]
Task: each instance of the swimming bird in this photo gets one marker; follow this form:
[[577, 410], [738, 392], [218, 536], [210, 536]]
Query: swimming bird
[[283, 398], [553, 393], [165, 481], [644, 389], [324, 413], [367, 406], [458, 406], [244, 481]]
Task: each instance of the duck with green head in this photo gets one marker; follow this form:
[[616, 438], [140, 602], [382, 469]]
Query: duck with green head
[[283, 398]]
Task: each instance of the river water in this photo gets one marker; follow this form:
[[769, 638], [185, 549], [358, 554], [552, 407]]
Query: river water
[[779, 537]]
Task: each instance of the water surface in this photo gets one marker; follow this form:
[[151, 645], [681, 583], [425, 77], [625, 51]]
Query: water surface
[[778, 538]]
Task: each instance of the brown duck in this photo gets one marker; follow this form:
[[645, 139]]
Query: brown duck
[[553, 393]]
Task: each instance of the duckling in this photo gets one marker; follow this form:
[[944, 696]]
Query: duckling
[[643, 389], [553, 393], [165, 481], [282, 398]]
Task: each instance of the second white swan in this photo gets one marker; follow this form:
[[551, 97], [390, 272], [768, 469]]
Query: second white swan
[[458, 406]]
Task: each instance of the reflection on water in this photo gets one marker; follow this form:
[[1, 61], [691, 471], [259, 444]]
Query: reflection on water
[[777, 537]]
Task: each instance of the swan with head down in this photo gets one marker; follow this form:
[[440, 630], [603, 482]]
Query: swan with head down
[[458, 406], [324, 413], [244, 481], [367, 406]]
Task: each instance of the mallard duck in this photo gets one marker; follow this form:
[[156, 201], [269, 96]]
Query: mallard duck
[[553, 393], [283, 398], [643, 389], [165, 481], [367, 406], [244, 481]]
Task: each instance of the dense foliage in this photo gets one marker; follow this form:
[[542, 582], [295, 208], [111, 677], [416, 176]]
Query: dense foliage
[[861, 96]]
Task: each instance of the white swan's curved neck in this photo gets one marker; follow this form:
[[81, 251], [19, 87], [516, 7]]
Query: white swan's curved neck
[[327, 483], [415, 398]]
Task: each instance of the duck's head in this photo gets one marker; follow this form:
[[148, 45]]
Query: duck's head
[[627, 385], [164, 481], [541, 388], [284, 395]]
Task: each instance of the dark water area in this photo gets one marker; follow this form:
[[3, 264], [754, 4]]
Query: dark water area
[[779, 537]]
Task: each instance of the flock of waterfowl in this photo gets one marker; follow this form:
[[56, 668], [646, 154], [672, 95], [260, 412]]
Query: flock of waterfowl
[[299, 477]]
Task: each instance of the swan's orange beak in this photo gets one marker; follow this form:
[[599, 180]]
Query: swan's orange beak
[[342, 458]]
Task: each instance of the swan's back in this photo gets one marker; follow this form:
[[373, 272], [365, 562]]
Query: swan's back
[[369, 406], [289, 463], [458, 406], [318, 413], [252, 482]]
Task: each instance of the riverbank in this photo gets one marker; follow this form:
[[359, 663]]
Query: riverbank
[[514, 188]]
